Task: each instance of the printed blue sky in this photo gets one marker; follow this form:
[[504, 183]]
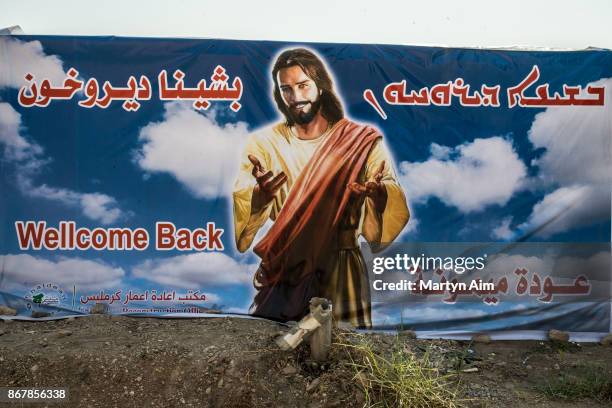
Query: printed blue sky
[[470, 174]]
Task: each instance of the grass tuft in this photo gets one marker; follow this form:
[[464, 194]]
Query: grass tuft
[[400, 378], [589, 382]]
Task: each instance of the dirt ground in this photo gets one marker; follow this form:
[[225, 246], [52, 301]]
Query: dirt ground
[[230, 362]]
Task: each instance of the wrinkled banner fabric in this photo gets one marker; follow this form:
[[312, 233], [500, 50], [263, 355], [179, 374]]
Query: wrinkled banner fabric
[[446, 191]]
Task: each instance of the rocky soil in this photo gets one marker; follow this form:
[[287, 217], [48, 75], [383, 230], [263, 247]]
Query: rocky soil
[[231, 362]]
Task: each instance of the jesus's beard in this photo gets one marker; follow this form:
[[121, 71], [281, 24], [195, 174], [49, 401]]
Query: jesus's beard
[[303, 118]]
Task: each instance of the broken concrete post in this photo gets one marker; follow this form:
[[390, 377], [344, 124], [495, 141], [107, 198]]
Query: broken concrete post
[[481, 338], [558, 335], [320, 342], [606, 340], [316, 325]]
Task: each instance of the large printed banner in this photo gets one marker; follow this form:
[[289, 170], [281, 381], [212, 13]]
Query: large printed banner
[[435, 189]]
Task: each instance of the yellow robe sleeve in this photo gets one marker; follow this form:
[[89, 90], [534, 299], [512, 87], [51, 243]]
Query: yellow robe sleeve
[[246, 223], [383, 228]]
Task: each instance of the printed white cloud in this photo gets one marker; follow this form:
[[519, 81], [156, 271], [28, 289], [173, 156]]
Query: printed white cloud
[[101, 207], [567, 208], [20, 58], [577, 164], [481, 173], [193, 148], [29, 160], [196, 270], [440, 152], [503, 231], [95, 206], [25, 269], [577, 141], [505, 265], [16, 147], [412, 226]]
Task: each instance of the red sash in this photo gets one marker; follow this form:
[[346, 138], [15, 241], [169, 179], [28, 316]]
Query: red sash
[[304, 230]]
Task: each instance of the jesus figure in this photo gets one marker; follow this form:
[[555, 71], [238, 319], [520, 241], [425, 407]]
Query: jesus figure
[[325, 181]]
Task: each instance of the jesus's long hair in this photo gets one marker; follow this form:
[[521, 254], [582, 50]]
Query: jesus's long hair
[[313, 67]]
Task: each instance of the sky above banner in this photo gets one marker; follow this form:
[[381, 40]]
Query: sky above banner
[[475, 23]]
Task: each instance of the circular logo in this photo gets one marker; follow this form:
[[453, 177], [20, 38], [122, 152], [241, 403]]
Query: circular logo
[[45, 294]]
